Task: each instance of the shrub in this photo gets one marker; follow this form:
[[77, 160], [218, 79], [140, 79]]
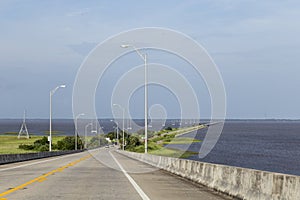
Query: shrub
[[43, 148], [26, 146], [67, 143], [38, 145], [42, 141]]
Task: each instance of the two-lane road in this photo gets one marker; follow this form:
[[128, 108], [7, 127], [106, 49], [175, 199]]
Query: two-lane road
[[83, 176]]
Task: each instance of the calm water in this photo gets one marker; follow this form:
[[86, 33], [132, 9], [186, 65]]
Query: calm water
[[264, 145]]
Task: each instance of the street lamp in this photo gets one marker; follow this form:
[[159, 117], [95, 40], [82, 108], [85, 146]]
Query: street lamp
[[129, 124], [96, 132], [123, 142], [76, 128], [99, 135], [144, 57], [50, 120], [85, 135], [117, 129]]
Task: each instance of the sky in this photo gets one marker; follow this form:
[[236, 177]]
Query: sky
[[255, 45]]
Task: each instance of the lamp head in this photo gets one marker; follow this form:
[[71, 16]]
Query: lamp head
[[125, 45], [81, 114]]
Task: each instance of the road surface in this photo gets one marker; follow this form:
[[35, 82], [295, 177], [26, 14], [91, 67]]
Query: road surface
[[83, 176]]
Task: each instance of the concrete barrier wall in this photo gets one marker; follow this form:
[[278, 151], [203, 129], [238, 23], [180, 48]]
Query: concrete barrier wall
[[10, 158], [238, 182]]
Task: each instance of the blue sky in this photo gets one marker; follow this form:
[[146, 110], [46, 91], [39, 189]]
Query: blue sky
[[255, 44]]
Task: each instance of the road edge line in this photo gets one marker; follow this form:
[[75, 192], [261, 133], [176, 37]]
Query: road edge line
[[133, 183]]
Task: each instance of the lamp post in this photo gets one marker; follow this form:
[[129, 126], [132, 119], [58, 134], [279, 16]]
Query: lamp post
[[129, 124], [144, 57], [117, 134], [85, 135], [76, 128], [96, 133], [99, 135], [117, 128], [123, 110], [50, 120]]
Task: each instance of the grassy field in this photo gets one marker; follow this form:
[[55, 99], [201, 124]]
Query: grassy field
[[9, 143]]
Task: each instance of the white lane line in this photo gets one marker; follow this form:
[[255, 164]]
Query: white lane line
[[133, 183], [29, 164]]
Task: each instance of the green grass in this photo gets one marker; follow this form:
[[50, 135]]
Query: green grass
[[53, 132], [165, 137], [182, 140], [168, 152], [159, 150], [9, 144]]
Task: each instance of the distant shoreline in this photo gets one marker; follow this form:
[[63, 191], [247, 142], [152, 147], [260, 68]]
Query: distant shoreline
[[250, 119]]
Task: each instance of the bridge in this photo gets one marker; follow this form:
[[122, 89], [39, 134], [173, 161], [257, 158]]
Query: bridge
[[107, 173], [86, 175]]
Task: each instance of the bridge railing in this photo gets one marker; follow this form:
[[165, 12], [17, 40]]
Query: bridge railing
[[238, 182], [10, 158]]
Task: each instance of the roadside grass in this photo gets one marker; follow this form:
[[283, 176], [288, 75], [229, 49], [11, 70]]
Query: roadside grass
[[160, 150], [9, 144], [156, 144], [182, 140], [176, 153]]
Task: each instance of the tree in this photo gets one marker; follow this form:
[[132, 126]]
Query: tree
[[132, 141], [142, 132], [94, 142], [111, 135], [168, 128], [68, 143]]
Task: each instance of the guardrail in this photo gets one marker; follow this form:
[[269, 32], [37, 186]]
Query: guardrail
[[238, 182], [10, 158]]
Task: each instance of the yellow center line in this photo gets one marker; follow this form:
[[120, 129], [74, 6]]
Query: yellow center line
[[43, 177]]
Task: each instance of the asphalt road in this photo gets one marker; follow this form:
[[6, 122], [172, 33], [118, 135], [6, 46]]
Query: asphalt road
[[98, 174]]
